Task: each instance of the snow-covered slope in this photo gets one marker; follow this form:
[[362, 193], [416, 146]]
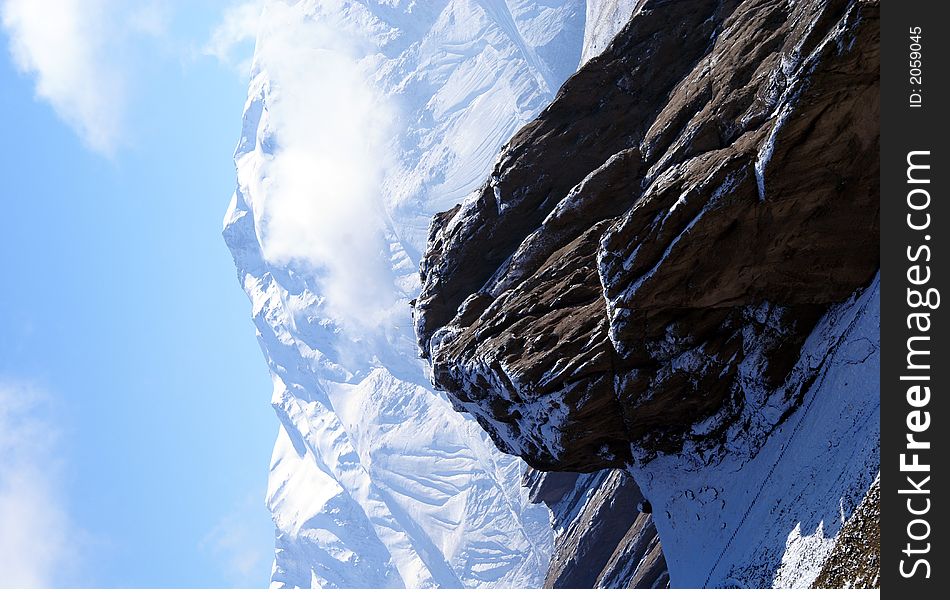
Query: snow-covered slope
[[604, 19], [364, 118], [767, 514]]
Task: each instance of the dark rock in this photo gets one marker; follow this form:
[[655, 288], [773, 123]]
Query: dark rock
[[855, 561], [692, 201], [638, 560], [548, 487], [601, 539]]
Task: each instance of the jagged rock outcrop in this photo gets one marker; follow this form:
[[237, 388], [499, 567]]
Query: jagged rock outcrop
[[603, 287], [602, 539], [855, 561], [672, 270]]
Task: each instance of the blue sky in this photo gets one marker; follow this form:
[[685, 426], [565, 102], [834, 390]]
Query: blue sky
[[134, 401]]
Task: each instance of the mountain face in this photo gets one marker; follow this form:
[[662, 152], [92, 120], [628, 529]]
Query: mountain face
[[663, 295], [672, 273], [364, 119], [602, 538]]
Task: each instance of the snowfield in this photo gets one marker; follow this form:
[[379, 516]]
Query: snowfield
[[781, 494]]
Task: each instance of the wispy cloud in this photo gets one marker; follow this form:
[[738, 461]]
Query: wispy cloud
[[150, 17], [35, 531], [235, 543], [232, 40], [62, 43], [82, 55], [322, 208]]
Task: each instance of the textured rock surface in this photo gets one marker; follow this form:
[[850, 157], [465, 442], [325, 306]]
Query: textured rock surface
[[601, 538], [672, 270], [603, 287], [855, 561]]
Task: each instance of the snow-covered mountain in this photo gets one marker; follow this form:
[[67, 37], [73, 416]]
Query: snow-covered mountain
[[650, 284], [363, 119]]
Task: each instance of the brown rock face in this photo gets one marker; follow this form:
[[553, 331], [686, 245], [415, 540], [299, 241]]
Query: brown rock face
[[855, 561], [665, 235], [601, 538]]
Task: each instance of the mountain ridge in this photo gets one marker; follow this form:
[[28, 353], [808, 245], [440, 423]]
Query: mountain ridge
[[363, 119]]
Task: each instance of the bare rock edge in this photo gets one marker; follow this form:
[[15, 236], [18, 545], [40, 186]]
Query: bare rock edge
[[639, 275]]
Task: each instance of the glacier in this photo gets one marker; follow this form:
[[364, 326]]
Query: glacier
[[363, 119]]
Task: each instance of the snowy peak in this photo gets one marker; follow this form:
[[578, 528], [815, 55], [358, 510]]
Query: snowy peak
[[363, 119]]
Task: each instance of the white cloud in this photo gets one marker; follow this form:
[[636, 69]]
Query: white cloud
[[63, 44], [150, 18], [234, 33], [35, 544], [236, 544], [322, 207]]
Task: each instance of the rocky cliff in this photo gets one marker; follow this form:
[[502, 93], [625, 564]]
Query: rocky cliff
[[672, 272], [603, 537]]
